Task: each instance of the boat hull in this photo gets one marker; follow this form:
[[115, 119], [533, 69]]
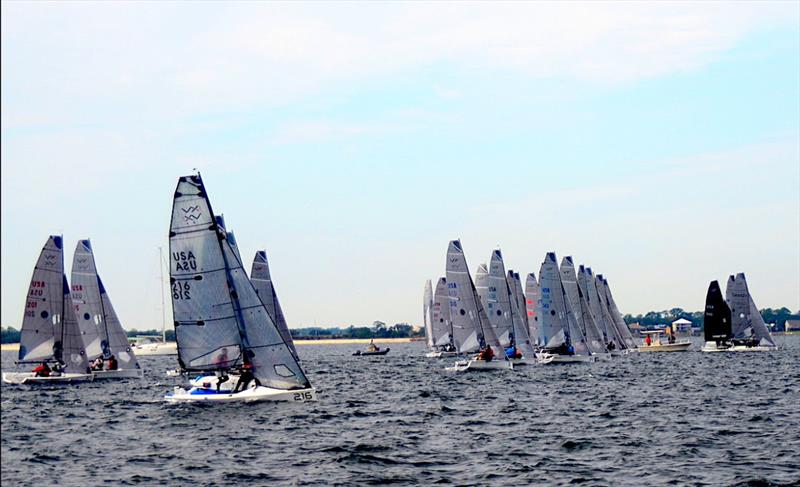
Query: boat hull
[[150, 349], [522, 361], [441, 354], [480, 365], [251, 394], [30, 378], [666, 347], [118, 374], [711, 347], [359, 353], [549, 358]]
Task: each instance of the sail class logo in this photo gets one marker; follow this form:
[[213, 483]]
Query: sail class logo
[[49, 260], [191, 214]]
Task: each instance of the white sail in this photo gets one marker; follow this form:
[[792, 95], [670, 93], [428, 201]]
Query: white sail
[[580, 309], [262, 282], [552, 310], [101, 330], [44, 305], [747, 321], [599, 312], [531, 305], [522, 339], [519, 294], [441, 325], [622, 327], [427, 311], [482, 283], [471, 330], [220, 322], [498, 300]]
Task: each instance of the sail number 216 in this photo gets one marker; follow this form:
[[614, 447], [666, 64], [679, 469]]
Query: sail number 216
[[181, 290]]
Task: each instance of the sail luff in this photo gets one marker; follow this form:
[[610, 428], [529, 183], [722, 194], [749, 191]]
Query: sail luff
[[427, 312]]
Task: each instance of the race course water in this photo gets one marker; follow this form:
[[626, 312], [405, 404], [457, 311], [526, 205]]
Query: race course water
[[646, 419]]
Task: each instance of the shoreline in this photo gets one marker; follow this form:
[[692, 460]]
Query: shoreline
[[326, 341]]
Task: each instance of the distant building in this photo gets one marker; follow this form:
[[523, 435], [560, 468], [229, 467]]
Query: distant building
[[682, 326], [636, 328], [793, 325]]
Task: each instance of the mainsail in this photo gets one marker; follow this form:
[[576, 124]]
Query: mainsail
[[531, 304], [44, 305], [49, 328], [611, 324], [498, 301], [471, 330], [262, 282], [746, 319], [522, 337], [100, 327], [616, 316], [717, 317], [482, 284], [220, 322], [600, 314], [441, 325], [427, 312], [594, 337], [520, 296], [552, 309]]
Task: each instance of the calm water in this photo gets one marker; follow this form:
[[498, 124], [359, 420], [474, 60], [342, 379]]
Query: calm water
[[649, 419]]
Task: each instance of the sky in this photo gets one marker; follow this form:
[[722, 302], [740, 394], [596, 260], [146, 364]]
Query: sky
[[658, 143]]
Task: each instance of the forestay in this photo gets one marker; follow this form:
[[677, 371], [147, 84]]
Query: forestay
[[262, 282], [101, 330], [218, 315]]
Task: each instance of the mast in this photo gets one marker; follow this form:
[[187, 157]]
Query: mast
[[163, 303]]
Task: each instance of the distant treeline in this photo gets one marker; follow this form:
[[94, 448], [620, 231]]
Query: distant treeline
[[377, 330], [655, 318]]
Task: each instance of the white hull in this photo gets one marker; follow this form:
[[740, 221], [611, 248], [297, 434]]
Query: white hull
[[30, 378], [118, 374], [251, 394], [711, 347], [666, 347], [602, 356], [168, 348], [549, 358], [441, 354], [466, 365], [522, 361]]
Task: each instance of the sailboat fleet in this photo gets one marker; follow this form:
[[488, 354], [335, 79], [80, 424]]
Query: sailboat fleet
[[232, 334]]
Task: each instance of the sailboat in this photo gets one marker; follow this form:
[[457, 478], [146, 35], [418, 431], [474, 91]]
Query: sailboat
[[749, 332], [613, 312], [717, 328], [471, 328], [580, 309], [262, 282], [222, 327], [441, 326], [563, 339], [427, 314], [586, 281], [101, 330], [151, 346], [50, 333], [521, 337], [531, 303], [520, 295]]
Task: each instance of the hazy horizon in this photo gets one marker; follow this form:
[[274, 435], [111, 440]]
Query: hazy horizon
[[657, 143]]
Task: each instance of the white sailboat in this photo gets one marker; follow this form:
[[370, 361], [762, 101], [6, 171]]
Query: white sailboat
[[222, 327], [563, 339], [101, 330], [521, 342], [471, 328], [50, 336], [441, 325], [580, 309], [149, 346]]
